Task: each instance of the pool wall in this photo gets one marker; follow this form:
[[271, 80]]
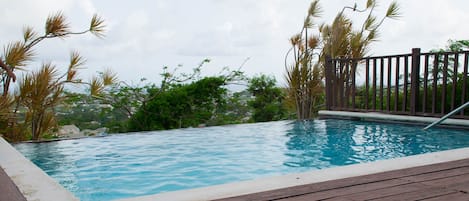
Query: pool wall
[[32, 182]]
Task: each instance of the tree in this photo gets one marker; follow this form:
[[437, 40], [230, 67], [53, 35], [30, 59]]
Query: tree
[[40, 91], [129, 97], [268, 102], [235, 111], [182, 105], [337, 40]]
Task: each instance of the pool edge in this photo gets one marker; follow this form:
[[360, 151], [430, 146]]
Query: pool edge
[[374, 116], [32, 182], [310, 177]]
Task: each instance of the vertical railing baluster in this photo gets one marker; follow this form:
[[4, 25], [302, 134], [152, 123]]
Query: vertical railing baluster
[[328, 74], [455, 81], [347, 86], [436, 64], [388, 96], [465, 89], [443, 85], [374, 84], [415, 81], [367, 84], [396, 86], [381, 83], [406, 83], [354, 66], [425, 84]]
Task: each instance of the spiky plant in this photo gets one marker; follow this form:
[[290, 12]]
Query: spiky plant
[[303, 76], [341, 40], [39, 92], [17, 54], [336, 40]]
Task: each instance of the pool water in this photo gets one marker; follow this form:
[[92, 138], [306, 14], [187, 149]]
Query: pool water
[[129, 165]]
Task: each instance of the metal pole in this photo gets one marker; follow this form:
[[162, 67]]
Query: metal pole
[[448, 115]]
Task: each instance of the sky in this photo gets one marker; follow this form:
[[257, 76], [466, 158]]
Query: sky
[[143, 36]]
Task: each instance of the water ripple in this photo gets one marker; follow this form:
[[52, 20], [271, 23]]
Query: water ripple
[[129, 165]]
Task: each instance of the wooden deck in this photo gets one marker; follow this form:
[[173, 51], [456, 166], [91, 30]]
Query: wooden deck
[[443, 181], [8, 189]]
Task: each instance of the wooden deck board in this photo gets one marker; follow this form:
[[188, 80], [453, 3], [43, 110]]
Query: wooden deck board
[[363, 188], [8, 189], [448, 181], [440, 181], [451, 197], [386, 192], [420, 194], [438, 174]]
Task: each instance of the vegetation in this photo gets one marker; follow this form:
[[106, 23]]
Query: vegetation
[[304, 78], [41, 91], [268, 104], [201, 102], [184, 105], [335, 40]]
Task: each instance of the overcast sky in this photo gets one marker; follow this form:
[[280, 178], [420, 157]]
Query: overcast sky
[[145, 35]]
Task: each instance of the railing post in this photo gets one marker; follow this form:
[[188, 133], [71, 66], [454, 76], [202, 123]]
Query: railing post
[[328, 74], [415, 81]]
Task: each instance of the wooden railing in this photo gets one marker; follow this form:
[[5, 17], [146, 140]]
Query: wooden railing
[[419, 84]]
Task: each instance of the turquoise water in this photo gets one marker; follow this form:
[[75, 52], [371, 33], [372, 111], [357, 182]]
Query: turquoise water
[[120, 166]]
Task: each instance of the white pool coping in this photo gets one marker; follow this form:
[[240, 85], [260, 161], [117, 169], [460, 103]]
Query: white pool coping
[[392, 117], [32, 182], [36, 185]]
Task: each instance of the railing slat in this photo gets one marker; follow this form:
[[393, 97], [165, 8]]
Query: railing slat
[[435, 81], [455, 81], [443, 85], [425, 84], [396, 85], [374, 85], [414, 81], [354, 66], [388, 96], [406, 84], [367, 84], [381, 83], [464, 81], [347, 86]]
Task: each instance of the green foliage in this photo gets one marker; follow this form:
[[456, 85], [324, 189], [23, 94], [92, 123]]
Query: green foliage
[[182, 105], [86, 112], [268, 102], [235, 111], [454, 46]]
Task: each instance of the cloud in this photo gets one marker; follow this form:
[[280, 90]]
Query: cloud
[[143, 36]]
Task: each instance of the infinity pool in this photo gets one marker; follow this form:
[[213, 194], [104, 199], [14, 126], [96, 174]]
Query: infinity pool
[[130, 165]]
